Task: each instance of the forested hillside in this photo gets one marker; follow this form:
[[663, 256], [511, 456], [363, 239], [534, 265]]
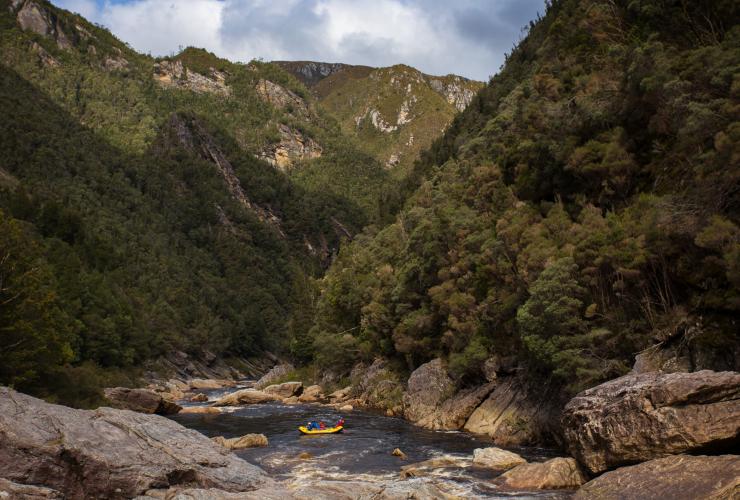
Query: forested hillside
[[145, 204], [583, 208], [394, 113]]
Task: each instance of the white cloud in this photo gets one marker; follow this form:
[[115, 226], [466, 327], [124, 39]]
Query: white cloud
[[467, 37]]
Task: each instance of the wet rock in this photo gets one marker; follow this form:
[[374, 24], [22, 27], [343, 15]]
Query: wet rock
[[276, 372], [512, 415], [285, 390], [555, 474], [312, 394], [238, 443], [644, 416], [108, 453], [293, 400], [199, 398], [11, 490], [206, 410], [678, 477], [346, 408], [496, 458], [305, 456], [426, 467], [398, 453], [365, 489], [245, 397], [141, 400]]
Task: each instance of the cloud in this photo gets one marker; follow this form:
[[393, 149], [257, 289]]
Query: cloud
[[467, 37]]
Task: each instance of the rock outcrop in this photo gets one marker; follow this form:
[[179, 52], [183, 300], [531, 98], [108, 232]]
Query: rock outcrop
[[32, 16], [282, 98], [644, 416], [190, 134], [431, 401], [239, 443], [557, 473], [512, 414], [108, 453], [141, 400], [496, 458], [678, 477], [453, 90], [245, 397], [376, 386], [172, 74], [310, 72], [275, 373], [292, 147]]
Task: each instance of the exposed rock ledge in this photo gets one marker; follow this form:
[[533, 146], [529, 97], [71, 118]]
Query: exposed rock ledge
[[641, 417], [109, 453]]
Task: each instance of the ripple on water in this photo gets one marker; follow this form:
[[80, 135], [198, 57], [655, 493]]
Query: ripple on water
[[362, 452]]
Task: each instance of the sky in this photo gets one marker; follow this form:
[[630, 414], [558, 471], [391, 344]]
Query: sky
[[464, 37]]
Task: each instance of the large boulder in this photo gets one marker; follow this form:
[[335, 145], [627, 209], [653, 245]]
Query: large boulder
[[141, 400], [428, 386], [557, 473], [431, 400], [678, 477], [274, 374], [312, 394], [644, 416], [285, 390], [496, 458], [238, 443], [245, 397], [512, 414], [109, 453]]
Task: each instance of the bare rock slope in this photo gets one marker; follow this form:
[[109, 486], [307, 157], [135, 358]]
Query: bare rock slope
[[109, 453], [640, 417]]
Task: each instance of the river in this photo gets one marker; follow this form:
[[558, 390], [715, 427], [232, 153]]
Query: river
[[361, 452]]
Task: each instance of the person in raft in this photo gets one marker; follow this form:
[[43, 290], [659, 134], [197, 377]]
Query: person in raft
[[313, 425]]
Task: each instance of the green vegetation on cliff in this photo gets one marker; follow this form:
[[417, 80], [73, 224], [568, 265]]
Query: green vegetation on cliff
[[582, 208], [137, 213]]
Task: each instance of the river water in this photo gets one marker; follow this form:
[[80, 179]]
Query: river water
[[361, 452]]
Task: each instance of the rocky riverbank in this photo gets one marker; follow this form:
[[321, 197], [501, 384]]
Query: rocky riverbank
[[669, 434]]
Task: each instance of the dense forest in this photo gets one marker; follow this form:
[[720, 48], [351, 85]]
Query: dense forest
[[583, 208], [137, 218]]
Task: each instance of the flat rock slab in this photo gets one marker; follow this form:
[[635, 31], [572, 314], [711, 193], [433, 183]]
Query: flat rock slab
[[678, 477], [557, 473], [640, 417], [246, 397], [108, 453], [141, 400], [496, 458]]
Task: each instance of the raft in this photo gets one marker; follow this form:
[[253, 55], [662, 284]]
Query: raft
[[328, 430]]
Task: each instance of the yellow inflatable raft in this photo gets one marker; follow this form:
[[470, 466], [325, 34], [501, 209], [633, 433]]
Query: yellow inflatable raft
[[328, 430]]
